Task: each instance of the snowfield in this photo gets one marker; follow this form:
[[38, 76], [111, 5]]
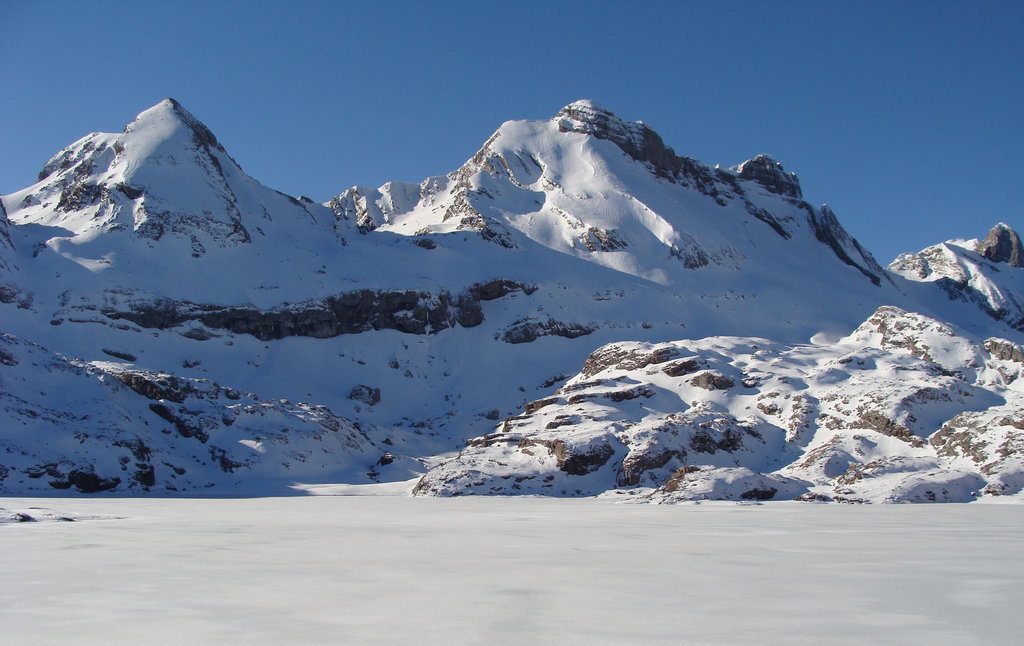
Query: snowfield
[[487, 570]]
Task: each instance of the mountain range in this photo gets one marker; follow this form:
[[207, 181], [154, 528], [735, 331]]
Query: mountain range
[[576, 310]]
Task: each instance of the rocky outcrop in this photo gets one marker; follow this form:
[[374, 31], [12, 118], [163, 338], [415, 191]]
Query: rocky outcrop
[[636, 139], [6, 256], [5, 230], [712, 381], [726, 483], [625, 357], [1002, 244], [366, 394], [411, 312], [770, 174], [1004, 350], [927, 339], [371, 208], [85, 481], [643, 460], [827, 230], [574, 460], [529, 329], [641, 143], [159, 386], [597, 239]]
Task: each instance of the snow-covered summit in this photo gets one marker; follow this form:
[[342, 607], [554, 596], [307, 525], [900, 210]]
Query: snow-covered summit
[[422, 313], [166, 175], [590, 184], [987, 273], [637, 139]]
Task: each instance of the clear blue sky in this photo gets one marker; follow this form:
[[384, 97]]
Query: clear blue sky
[[904, 116]]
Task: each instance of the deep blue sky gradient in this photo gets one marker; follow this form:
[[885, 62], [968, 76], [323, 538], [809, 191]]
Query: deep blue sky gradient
[[904, 116]]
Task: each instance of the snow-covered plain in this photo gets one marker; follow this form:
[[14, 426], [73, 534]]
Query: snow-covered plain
[[402, 570]]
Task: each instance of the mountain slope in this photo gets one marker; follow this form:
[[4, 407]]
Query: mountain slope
[[984, 273], [419, 313], [892, 413]]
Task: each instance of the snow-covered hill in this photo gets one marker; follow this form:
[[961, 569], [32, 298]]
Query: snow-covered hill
[[985, 273], [414, 317], [903, 409]]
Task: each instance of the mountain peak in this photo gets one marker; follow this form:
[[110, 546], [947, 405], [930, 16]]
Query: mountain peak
[[769, 173], [588, 117], [587, 110], [1002, 244], [635, 138], [168, 116]]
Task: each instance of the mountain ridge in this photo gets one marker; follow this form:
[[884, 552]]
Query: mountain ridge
[[432, 317]]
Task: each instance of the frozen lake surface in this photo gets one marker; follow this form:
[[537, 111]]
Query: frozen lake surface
[[399, 570]]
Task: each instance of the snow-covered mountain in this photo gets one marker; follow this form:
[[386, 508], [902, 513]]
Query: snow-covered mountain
[[980, 272], [901, 410], [370, 337]]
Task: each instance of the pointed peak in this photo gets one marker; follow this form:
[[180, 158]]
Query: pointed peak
[[585, 108], [770, 174], [168, 109], [168, 115], [1002, 244]]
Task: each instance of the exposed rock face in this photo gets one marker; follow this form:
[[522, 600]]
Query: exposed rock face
[[769, 173], [8, 293], [635, 139], [370, 208], [86, 482], [621, 358], [1005, 350], [712, 381], [1002, 244], [576, 461], [120, 354], [640, 461], [597, 239], [528, 330], [641, 143], [410, 312], [828, 230], [366, 394], [5, 226]]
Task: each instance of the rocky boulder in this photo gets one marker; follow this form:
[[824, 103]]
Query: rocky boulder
[[1002, 244]]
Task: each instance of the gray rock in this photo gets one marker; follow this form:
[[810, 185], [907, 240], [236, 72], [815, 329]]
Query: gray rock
[[770, 174], [366, 394], [528, 330], [1002, 244]]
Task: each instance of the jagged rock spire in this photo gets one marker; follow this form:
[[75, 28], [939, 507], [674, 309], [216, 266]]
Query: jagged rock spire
[[1002, 244]]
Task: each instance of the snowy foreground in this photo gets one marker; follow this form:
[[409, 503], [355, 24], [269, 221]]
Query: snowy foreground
[[400, 570]]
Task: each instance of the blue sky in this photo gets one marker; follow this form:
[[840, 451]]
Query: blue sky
[[904, 116]]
